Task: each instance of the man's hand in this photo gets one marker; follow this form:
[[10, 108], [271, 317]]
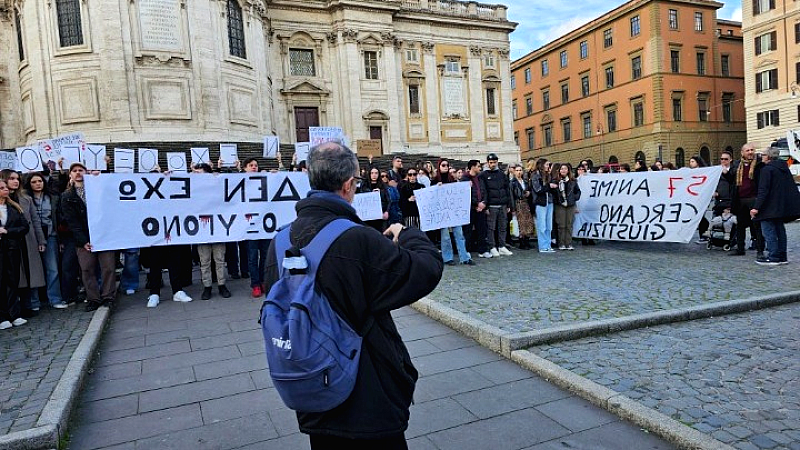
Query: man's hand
[[87, 246], [753, 213], [481, 206], [394, 231], [42, 248]]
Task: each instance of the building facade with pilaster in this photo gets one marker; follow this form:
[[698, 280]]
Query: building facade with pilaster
[[419, 76]]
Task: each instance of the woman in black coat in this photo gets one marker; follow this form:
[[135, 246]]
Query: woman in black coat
[[374, 183], [13, 228]]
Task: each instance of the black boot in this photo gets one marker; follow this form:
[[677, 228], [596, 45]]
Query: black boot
[[206, 293], [224, 292]]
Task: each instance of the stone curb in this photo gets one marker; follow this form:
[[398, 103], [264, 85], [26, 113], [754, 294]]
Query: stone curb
[[624, 407], [504, 342], [52, 423]]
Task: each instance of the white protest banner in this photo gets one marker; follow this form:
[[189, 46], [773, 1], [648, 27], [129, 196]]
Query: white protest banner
[[368, 206], [319, 135], [142, 210], [123, 160], [228, 154], [443, 206], [271, 146], [71, 153], [52, 149], [200, 155], [8, 160], [301, 150], [95, 157], [661, 206], [28, 160], [148, 160], [176, 162]]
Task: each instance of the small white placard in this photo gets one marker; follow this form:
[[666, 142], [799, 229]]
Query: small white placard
[[176, 162], [301, 149], [200, 155], [28, 160], [123, 160], [271, 145], [368, 205], [148, 160], [95, 157], [8, 160], [228, 154], [71, 153]]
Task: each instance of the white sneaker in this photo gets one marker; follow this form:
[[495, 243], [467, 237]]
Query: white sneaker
[[4, 325], [181, 296], [494, 252], [562, 247], [152, 301], [569, 247], [485, 255], [19, 322], [61, 305], [129, 292], [504, 251]]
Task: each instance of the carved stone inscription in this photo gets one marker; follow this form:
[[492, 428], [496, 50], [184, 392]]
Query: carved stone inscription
[[160, 25], [453, 96]]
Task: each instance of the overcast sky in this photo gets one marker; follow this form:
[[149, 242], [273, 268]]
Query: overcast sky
[[541, 21]]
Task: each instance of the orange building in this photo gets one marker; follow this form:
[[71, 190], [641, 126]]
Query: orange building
[[649, 79]]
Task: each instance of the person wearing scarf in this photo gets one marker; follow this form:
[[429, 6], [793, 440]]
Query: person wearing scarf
[[743, 178]]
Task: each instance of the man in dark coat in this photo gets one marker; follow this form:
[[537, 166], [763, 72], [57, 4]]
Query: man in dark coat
[[476, 229], [363, 275], [498, 201], [743, 178], [778, 201]]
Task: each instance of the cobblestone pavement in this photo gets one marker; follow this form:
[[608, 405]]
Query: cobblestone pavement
[[734, 377], [34, 357], [530, 291]]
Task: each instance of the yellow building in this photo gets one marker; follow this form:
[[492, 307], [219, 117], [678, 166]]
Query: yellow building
[[649, 79]]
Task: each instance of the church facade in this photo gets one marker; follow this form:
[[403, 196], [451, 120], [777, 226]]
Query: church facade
[[419, 76]]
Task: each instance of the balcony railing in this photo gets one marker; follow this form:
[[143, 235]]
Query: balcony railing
[[458, 8]]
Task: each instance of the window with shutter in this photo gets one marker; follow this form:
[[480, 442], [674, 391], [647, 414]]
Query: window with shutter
[[70, 28], [236, 30]]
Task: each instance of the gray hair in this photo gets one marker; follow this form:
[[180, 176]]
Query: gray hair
[[772, 152], [330, 164]]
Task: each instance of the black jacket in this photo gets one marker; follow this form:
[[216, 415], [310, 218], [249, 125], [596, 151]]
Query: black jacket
[[17, 227], [406, 189], [365, 274], [497, 188], [723, 198], [731, 177], [518, 193], [778, 198], [75, 216], [542, 191], [572, 193]]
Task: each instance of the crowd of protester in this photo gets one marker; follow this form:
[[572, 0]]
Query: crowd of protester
[[46, 256]]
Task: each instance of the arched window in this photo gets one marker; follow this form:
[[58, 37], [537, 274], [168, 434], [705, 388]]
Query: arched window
[[680, 158], [640, 156], [70, 28], [705, 153], [236, 30], [613, 160]]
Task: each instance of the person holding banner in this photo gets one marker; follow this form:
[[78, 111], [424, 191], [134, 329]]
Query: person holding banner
[[31, 270], [46, 207], [444, 176], [475, 231], [13, 228], [566, 195], [211, 252], [408, 203], [543, 187], [256, 248], [75, 215]]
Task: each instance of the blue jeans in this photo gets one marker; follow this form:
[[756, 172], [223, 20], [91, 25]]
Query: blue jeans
[[774, 232], [50, 263], [447, 246], [129, 279], [544, 225], [257, 260]]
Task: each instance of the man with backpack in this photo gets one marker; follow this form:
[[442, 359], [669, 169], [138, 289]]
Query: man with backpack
[[362, 276]]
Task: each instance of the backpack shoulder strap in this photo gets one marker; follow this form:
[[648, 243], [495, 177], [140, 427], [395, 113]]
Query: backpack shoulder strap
[[318, 246], [282, 243]]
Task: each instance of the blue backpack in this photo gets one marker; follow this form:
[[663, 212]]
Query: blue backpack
[[312, 353]]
